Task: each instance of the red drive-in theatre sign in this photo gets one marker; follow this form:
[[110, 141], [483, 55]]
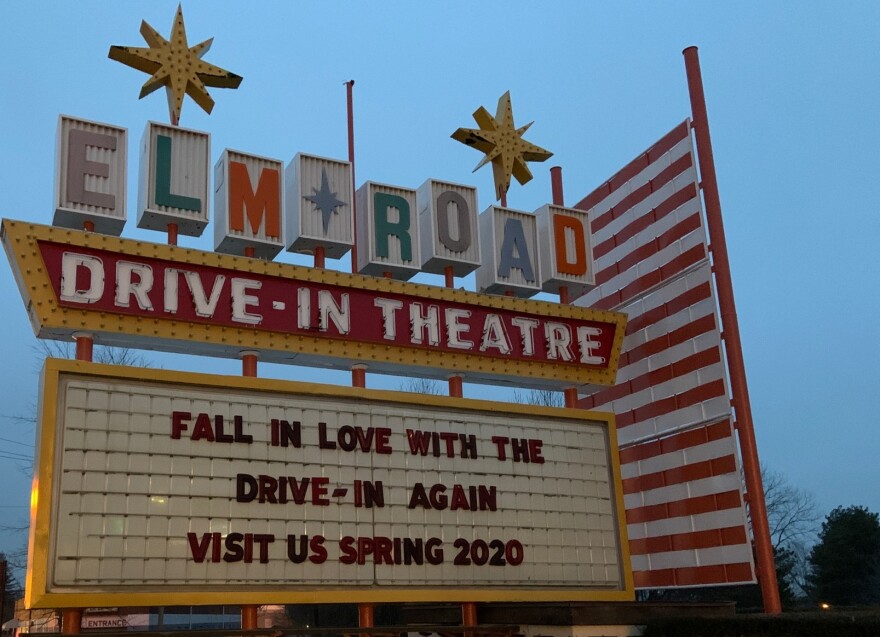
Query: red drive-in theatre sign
[[175, 299]]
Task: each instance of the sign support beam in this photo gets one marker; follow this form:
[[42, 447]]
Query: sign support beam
[[765, 563]]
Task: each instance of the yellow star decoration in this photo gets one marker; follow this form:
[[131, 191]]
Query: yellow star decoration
[[503, 145], [176, 66]]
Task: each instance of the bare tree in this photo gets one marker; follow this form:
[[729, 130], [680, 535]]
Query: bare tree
[[102, 353], [543, 397], [423, 386], [791, 511]]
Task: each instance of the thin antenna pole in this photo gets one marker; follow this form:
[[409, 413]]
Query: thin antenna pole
[[765, 562], [349, 86]]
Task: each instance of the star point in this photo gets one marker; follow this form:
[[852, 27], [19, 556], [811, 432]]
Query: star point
[[503, 145], [172, 63]]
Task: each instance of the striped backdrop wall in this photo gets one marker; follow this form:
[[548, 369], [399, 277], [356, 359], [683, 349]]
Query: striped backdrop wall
[[679, 458]]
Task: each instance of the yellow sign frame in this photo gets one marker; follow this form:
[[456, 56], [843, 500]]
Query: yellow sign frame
[[39, 593]]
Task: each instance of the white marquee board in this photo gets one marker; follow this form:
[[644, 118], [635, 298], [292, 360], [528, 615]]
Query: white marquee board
[[136, 500]]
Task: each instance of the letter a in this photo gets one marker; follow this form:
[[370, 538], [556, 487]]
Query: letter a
[[515, 251]]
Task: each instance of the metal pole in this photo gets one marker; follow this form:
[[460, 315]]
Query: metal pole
[[249, 617], [359, 376], [765, 563], [349, 87], [84, 345], [71, 621], [249, 363], [556, 185], [365, 617], [455, 386], [469, 616], [558, 200]]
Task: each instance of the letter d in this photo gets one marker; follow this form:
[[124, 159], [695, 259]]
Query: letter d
[[245, 487], [71, 266]]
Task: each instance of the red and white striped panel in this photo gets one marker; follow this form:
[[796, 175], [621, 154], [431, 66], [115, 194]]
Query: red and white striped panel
[[679, 460]]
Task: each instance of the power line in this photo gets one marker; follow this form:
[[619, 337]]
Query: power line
[[23, 444]]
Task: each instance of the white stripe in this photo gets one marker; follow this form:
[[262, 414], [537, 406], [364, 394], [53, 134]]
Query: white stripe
[[672, 290], [679, 458], [641, 178], [711, 410], [671, 354], [687, 524], [733, 554], [669, 388], [683, 491]]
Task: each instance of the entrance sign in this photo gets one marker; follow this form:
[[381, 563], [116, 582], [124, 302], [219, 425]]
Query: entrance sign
[[162, 488], [135, 294]]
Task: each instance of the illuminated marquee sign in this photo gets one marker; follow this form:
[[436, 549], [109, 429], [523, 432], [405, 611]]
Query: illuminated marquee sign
[[180, 485], [147, 295]]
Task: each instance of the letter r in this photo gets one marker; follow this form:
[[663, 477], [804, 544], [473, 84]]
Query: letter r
[[382, 203]]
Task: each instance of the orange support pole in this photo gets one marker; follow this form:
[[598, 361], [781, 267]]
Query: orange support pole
[[455, 386], [469, 615], [249, 252], [450, 276], [571, 397], [563, 295], [172, 234], [558, 200], [249, 617], [84, 345], [556, 185], [765, 562], [319, 256], [249, 364], [359, 376], [365, 617], [89, 225], [71, 621]]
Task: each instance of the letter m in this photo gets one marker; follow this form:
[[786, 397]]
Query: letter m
[[262, 205]]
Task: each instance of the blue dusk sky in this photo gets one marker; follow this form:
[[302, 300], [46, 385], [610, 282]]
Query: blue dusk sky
[[794, 107]]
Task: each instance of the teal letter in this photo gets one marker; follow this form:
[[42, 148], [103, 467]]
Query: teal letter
[[381, 203], [163, 180], [515, 242]]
